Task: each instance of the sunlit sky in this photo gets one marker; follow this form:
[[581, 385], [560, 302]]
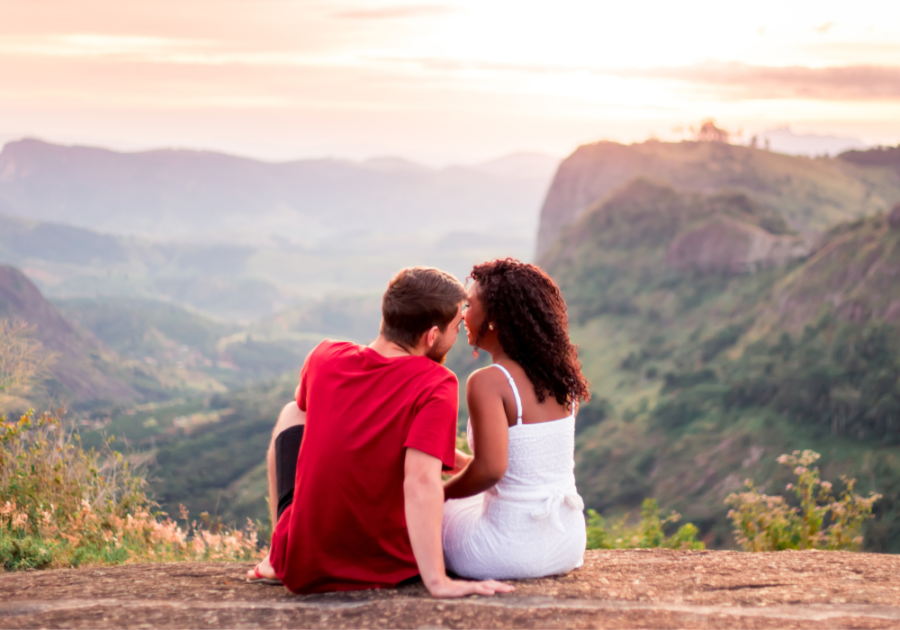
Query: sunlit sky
[[440, 82]]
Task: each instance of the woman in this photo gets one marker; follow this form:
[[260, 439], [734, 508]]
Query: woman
[[513, 511]]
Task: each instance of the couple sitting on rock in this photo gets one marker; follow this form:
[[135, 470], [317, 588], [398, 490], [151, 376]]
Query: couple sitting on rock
[[356, 462]]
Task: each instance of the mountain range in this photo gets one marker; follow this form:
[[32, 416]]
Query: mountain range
[[240, 239], [195, 195]]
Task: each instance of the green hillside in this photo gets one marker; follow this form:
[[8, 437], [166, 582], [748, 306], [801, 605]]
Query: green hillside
[[705, 368], [167, 335], [139, 328]]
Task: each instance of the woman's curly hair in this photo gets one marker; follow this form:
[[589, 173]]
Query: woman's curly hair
[[529, 313]]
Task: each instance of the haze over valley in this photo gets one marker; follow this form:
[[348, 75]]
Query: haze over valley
[[239, 239]]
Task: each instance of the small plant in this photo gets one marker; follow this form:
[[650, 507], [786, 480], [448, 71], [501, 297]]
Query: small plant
[[62, 505], [645, 535], [821, 521]]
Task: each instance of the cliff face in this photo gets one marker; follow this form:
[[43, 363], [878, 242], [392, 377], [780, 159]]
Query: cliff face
[[735, 247], [82, 370], [811, 194]]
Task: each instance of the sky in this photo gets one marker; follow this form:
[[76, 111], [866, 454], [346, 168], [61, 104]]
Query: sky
[[441, 82]]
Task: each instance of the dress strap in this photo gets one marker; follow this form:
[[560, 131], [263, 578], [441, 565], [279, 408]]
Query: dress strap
[[515, 390]]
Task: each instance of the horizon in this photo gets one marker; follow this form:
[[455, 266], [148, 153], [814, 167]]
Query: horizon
[[439, 83], [851, 143]]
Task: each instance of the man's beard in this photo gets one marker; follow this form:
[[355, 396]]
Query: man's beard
[[438, 354]]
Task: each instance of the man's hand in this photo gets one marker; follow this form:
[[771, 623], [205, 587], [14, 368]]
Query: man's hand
[[424, 505], [461, 460]]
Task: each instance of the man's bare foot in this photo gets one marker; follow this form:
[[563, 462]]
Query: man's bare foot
[[263, 573]]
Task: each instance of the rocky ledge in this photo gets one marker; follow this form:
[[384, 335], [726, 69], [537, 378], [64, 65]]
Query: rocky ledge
[[651, 588]]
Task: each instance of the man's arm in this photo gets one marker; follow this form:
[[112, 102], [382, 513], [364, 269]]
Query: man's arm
[[424, 505]]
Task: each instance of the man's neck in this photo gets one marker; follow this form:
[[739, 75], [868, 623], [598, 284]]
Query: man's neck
[[391, 350]]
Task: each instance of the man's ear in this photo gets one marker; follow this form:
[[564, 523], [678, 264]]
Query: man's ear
[[431, 336]]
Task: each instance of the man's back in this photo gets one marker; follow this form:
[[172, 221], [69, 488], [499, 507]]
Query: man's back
[[346, 527]]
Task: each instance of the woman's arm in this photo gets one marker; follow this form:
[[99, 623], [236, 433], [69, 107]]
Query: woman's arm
[[491, 432]]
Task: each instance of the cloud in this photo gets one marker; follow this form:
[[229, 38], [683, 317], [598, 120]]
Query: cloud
[[823, 28], [386, 13], [861, 82], [729, 80]]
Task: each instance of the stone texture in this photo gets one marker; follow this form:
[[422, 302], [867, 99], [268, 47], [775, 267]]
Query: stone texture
[[735, 247], [615, 589]]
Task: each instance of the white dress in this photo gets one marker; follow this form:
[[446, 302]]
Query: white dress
[[531, 523]]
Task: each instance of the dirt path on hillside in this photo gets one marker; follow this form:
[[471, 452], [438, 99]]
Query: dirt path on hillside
[[615, 589]]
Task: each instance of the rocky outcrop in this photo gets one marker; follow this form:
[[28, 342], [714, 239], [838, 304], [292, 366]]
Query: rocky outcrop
[[734, 247], [663, 228], [641, 588], [811, 195]]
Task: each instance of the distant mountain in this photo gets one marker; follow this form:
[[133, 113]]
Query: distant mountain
[[179, 194], [783, 140], [521, 165], [811, 195], [241, 239]]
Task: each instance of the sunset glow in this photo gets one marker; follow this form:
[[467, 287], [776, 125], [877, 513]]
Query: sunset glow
[[448, 81]]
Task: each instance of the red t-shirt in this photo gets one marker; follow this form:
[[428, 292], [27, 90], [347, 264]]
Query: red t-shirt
[[346, 529]]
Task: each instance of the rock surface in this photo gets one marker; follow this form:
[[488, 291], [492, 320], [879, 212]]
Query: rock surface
[[615, 589], [735, 247]]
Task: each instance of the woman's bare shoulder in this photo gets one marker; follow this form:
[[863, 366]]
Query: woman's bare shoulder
[[486, 378]]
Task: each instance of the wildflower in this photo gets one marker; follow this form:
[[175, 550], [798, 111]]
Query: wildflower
[[782, 459], [799, 470], [789, 486], [19, 520], [826, 485]]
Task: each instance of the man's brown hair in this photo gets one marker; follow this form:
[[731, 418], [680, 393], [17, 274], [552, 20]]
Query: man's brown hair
[[416, 299]]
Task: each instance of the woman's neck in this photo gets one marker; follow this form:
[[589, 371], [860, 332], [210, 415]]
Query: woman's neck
[[497, 354]]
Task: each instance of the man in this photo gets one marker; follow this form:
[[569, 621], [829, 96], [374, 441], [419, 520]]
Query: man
[[361, 505]]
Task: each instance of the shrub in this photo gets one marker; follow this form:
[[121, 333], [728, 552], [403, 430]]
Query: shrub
[[674, 414], [648, 533], [768, 523], [722, 340], [62, 505]]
